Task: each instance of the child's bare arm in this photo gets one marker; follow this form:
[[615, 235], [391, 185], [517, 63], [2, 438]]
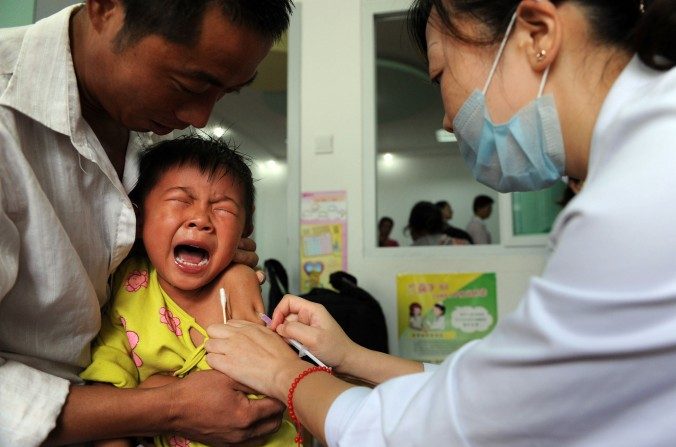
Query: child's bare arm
[[244, 293]]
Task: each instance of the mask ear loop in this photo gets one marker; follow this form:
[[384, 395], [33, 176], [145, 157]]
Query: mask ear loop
[[499, 54], [542, 82], [500, 50]]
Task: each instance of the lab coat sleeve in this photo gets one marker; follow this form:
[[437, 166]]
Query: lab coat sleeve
[[409, 410]]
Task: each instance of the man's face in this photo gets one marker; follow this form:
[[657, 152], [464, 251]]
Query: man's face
[[191, 225], [155, 85], [485, 212]]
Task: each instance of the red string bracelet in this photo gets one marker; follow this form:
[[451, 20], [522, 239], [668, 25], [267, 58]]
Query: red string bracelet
[[289, 400]]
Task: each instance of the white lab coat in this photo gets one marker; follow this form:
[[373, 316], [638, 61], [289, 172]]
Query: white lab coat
[[589, 356]]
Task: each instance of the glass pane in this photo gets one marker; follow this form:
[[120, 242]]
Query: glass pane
[[534, 212]]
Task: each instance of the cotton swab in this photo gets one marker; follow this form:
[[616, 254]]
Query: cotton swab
[[224, 300], [302, 350]]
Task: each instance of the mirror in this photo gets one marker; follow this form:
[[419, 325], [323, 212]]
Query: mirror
[[416, 160]]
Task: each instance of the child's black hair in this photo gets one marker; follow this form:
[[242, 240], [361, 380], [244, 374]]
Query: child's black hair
[[211, 156]]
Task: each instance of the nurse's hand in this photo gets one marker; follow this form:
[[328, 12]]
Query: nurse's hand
[[312, 325], [254, 356]]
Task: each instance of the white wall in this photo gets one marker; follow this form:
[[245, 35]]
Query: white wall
[[270, 223], [431, 178], [331, 104], [270, 228]]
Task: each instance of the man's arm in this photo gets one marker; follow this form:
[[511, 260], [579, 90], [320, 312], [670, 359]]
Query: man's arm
[[193, 407]]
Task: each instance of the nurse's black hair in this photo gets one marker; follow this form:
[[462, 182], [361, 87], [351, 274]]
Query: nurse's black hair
[[211, 156], [180, 21], [651, 34]]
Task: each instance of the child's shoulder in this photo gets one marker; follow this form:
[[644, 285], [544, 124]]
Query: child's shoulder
[[241, 273]]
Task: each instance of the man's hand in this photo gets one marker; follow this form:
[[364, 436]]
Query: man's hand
[[246, 253], [212, 408]]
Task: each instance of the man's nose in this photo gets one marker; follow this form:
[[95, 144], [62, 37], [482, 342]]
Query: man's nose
[[197, 112]]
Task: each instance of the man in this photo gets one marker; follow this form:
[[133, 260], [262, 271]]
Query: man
[[483, 207], [450, 230], [71, 88]]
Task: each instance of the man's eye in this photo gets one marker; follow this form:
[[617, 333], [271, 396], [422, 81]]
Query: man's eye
[[189, 90]]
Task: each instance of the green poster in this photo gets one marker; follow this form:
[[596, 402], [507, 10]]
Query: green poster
[[440, 312]]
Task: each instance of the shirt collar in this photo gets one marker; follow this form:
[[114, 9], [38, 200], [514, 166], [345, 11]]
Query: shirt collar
[[628, 87]]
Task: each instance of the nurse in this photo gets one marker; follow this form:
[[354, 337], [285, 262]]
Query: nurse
[[533, 90]]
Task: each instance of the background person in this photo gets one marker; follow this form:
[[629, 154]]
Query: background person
[[482, 208], [450, 230], [593, 343], [426, 225], [385, 226], [78, 91]]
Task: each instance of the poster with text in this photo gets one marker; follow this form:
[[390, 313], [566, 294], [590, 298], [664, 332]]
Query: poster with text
[[323, 237], [440, 312]]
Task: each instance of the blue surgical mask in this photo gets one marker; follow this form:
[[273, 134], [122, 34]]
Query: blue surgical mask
[[524, 154]]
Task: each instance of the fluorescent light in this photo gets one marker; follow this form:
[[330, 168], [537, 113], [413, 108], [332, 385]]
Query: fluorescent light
[[443, 136]]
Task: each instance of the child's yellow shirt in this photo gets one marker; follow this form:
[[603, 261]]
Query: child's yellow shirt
[[144, 332]]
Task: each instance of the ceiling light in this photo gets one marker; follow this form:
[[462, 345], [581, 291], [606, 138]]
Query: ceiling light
[[388, 159], [218, 131]]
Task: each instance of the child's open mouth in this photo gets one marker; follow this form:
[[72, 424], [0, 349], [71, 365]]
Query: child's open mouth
[[190, 256]]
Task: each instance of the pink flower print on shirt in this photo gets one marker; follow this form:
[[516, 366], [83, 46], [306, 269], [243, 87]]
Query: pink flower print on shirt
[[136, 280], [172, 322], [133, 341], [178, 441]]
